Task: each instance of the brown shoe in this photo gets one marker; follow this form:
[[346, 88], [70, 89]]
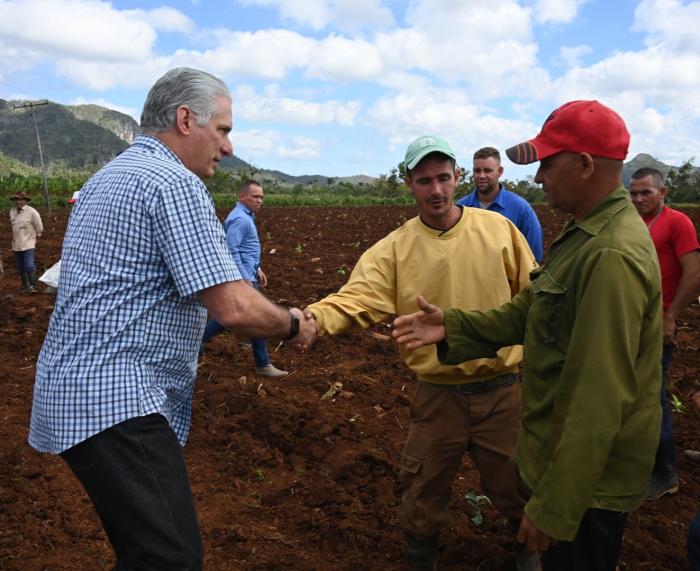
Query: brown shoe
[[271, 372], [657, 489]]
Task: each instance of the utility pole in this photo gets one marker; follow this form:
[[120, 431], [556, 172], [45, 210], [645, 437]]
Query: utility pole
[[31, 105]]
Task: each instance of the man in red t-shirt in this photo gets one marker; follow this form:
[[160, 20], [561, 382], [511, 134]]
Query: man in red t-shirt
[[677, 246]]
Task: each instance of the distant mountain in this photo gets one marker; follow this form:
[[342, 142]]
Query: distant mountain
[[123, 126], [67, 140], [88, 136], [644, 160], [235, 164]]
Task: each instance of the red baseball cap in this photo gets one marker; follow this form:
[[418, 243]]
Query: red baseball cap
[[578, 127]]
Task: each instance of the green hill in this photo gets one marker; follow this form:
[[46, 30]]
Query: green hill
[[645, 160], [67, 141]]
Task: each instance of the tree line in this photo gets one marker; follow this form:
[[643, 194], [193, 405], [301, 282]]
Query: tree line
[[683, 185]]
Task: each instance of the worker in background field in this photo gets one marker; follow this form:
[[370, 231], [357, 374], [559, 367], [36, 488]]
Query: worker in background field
[[492, 195], [676, 244], [243, 241], [591, 323], [26, 228], [465, 256]]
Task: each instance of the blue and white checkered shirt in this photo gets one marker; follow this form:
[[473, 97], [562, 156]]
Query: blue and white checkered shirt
[[122, 342]]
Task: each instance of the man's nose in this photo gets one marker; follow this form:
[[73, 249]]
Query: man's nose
[[227, 147]]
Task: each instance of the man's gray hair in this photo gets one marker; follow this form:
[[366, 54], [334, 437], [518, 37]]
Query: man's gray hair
[[196, 89]]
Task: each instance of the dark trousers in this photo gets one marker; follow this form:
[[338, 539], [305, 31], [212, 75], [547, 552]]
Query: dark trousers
[[595, 548], [665, 461], [135, 475], [25, 261]]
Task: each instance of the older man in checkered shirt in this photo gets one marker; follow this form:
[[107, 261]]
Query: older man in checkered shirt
[[144, 258]]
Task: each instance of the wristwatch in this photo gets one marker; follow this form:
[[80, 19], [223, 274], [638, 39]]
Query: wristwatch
[[293, 327]]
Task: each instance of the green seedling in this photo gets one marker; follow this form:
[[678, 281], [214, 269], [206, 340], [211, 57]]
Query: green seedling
[[299, 249], [340, 271], [677, 405], [477, 501], [260, 475]]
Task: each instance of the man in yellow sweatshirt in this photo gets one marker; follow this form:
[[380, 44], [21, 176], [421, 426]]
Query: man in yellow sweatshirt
[[465, 257]]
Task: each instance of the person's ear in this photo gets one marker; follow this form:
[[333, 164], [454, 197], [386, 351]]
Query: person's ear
[[184, 119], [586, 165]]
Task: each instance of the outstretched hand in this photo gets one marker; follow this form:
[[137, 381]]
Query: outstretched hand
[[424, 327]]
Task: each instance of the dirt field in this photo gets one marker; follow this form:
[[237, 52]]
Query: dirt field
[[284, 479]]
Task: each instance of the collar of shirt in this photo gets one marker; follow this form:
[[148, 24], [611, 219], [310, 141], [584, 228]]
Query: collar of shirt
[[155, 145], [601, 214], [472, 199], [245, 209]]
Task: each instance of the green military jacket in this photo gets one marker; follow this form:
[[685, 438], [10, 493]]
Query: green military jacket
[[591, 325]]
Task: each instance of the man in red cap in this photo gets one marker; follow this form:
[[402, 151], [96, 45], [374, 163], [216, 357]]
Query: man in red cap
[[591, 324]]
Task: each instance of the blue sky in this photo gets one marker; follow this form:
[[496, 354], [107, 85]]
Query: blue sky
[[340, 87]]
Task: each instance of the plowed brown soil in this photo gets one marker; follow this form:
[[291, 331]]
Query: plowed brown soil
[[284, 479]]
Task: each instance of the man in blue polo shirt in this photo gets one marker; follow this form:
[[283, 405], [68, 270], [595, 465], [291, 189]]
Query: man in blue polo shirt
[[244, 243], [492, 195]]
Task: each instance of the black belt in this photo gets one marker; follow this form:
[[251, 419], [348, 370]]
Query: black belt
[[485, 386]]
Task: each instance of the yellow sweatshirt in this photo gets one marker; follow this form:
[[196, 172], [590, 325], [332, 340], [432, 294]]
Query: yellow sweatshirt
[[479, 264]]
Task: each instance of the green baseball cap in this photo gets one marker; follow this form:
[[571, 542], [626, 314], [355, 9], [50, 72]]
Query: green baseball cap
[[425, 145]]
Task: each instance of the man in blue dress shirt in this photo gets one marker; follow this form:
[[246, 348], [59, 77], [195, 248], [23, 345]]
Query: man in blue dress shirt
[[244, 243], [492, 195], [144, 257]]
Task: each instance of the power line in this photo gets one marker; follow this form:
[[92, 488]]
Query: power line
[[31, 105]]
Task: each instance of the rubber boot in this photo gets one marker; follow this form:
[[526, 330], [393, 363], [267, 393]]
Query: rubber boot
[[421, 554], [25, 282], [32, 282]]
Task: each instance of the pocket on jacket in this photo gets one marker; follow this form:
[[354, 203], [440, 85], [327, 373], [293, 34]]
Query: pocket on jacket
[[548, 306]]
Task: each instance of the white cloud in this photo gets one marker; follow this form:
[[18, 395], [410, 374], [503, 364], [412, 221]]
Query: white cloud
[[450, 41], [101, 76], [82, 29], [341, 59], [255, 107], [354, 15], [669, 22], [304, 148], [449, 113], [571, 55], [313, 13], [344, 15], [254, 144], [166, 19], [557, 11], [668, 82], [264, 53]]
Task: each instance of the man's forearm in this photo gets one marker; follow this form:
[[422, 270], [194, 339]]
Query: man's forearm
[[687, 292], [244, 311]]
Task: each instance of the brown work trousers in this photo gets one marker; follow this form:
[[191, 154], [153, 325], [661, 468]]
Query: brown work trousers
[[444, 424]]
